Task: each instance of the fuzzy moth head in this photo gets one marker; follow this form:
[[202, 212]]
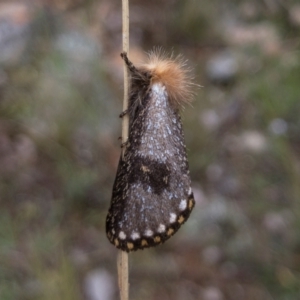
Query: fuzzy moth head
[[173, 73]]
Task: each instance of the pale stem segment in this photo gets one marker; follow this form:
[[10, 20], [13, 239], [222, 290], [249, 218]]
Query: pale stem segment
[[122, 255]]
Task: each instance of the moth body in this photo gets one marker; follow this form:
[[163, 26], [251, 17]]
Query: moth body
[[152, 195]]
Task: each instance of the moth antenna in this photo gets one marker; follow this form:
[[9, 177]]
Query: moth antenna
[[129, 64]]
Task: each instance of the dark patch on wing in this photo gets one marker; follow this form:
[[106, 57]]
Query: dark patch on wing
[[151, 173]]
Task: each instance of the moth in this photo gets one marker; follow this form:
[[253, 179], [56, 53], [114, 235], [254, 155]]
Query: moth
[[152, 195]]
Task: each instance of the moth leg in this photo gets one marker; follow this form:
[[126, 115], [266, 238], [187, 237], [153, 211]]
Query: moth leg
[[129, 64], [123, 113], [125, 144]]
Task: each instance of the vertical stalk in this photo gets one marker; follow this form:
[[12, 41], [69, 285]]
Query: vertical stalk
[[123, 275], [125, 35], [122, 255]]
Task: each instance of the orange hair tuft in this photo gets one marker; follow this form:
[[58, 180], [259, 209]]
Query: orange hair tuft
[[174, 74]]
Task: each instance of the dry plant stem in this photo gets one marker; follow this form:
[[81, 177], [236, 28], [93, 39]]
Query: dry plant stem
[[123, 274], [125, 31], [123, 256]]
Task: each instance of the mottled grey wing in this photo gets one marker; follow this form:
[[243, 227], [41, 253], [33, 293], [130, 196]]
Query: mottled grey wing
[[152, 193]]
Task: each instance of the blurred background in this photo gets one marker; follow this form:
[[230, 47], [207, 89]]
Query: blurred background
[[61, 90]]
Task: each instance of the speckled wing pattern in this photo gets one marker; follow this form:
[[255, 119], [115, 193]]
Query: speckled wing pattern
[[152, 195]]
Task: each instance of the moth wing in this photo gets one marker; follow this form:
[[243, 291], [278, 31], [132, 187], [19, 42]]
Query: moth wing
[[152, 193]]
